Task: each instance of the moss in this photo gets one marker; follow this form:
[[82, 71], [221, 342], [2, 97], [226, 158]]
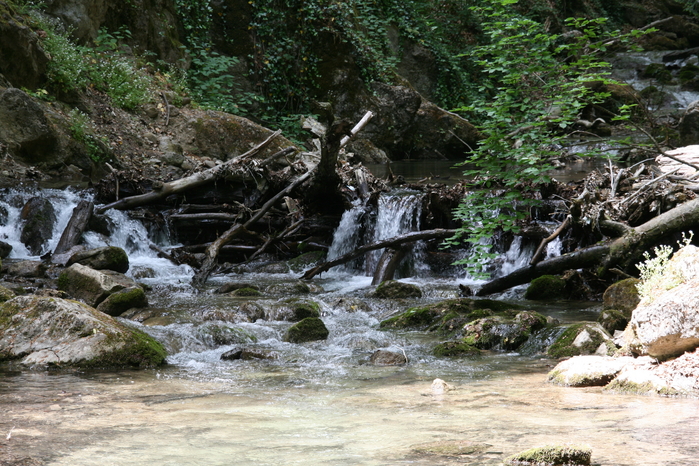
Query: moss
[[141, 351], [308, 329], [121, 301], [447, 316], [455, 348], [688, 73], [553, 455], [246, 292], [298, 264], [546, 287], [622, 295], [451, 448], [5, 293], [635, 388], [658, 72], [563, 346], [612, 320], [393, 289]]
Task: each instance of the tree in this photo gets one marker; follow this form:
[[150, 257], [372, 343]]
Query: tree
[[537, 85]]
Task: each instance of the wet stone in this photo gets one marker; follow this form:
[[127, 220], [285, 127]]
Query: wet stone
[[388, 358]]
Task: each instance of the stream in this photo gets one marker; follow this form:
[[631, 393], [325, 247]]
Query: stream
[[318, 403]]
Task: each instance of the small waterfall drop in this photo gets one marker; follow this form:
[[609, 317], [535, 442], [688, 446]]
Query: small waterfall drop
[[397, 213], [127, 233]]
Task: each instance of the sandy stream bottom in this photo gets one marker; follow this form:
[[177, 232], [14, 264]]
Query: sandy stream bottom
[[143, 418]]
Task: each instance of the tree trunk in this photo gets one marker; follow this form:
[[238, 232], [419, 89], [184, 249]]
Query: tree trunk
[[623, 252], [388, 264]]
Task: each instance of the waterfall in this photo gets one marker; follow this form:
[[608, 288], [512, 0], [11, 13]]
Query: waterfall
[[396, 214], [126, 233]]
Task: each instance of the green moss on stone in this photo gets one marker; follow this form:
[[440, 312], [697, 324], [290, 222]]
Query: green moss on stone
[[455, 348], [571, 455], [393, 289], [612, 320], [546, 287], [140, 350], [5, 293], [246, 292], [563, 346], [308, 329], [300, 263]]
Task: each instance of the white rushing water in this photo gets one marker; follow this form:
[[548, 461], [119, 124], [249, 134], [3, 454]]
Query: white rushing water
[[321, 402]]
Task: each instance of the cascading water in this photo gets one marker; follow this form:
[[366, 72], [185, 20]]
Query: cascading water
[[126, 233], [397, 213]]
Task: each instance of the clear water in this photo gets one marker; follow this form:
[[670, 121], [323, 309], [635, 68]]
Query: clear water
[[320, 403]]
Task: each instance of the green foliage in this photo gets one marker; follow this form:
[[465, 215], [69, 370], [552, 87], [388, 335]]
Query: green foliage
[[656, 274], [74, 67], [536, 86], [82, 131]]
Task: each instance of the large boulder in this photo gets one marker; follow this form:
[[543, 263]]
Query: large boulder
[[25, 127], [152, 23], [679, 377], [59, 332], [590, 370], [546, 287], [22, 59], [666, 321], [105, 258], [25, 269], [92, 286], [667, 326], [39, 218]]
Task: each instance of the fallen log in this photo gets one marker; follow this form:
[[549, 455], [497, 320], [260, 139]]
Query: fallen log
[[388, 264], [237, 165], [393, 243], [75, 228], [621, 253]]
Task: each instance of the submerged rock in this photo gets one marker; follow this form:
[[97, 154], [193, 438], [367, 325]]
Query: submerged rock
[[392, 289], [384, 357], [498, 332], [455, 348], [59, 332], [552, 455], [106, 258], [308, 329], [450, 448]]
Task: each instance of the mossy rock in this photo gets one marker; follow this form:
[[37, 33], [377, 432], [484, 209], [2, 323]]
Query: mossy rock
[[392, 289], [247, 292], [571, 455], [583, 338], [612, 320], [308, 329], [546, 287], [304, 261], [452, 449], [216, 334], [121, 301], [622, 296], [455, 348], [105, 258], [659, 72], [294, 287], [498, 332], [300, 309], [447, 316], [63, 333], [688, 73], [6, 294]]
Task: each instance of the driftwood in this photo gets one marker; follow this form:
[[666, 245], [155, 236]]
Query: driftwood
[[76, 226], [293, 228], [213, 250], [393, 243], [237, 165], [621, 253]]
